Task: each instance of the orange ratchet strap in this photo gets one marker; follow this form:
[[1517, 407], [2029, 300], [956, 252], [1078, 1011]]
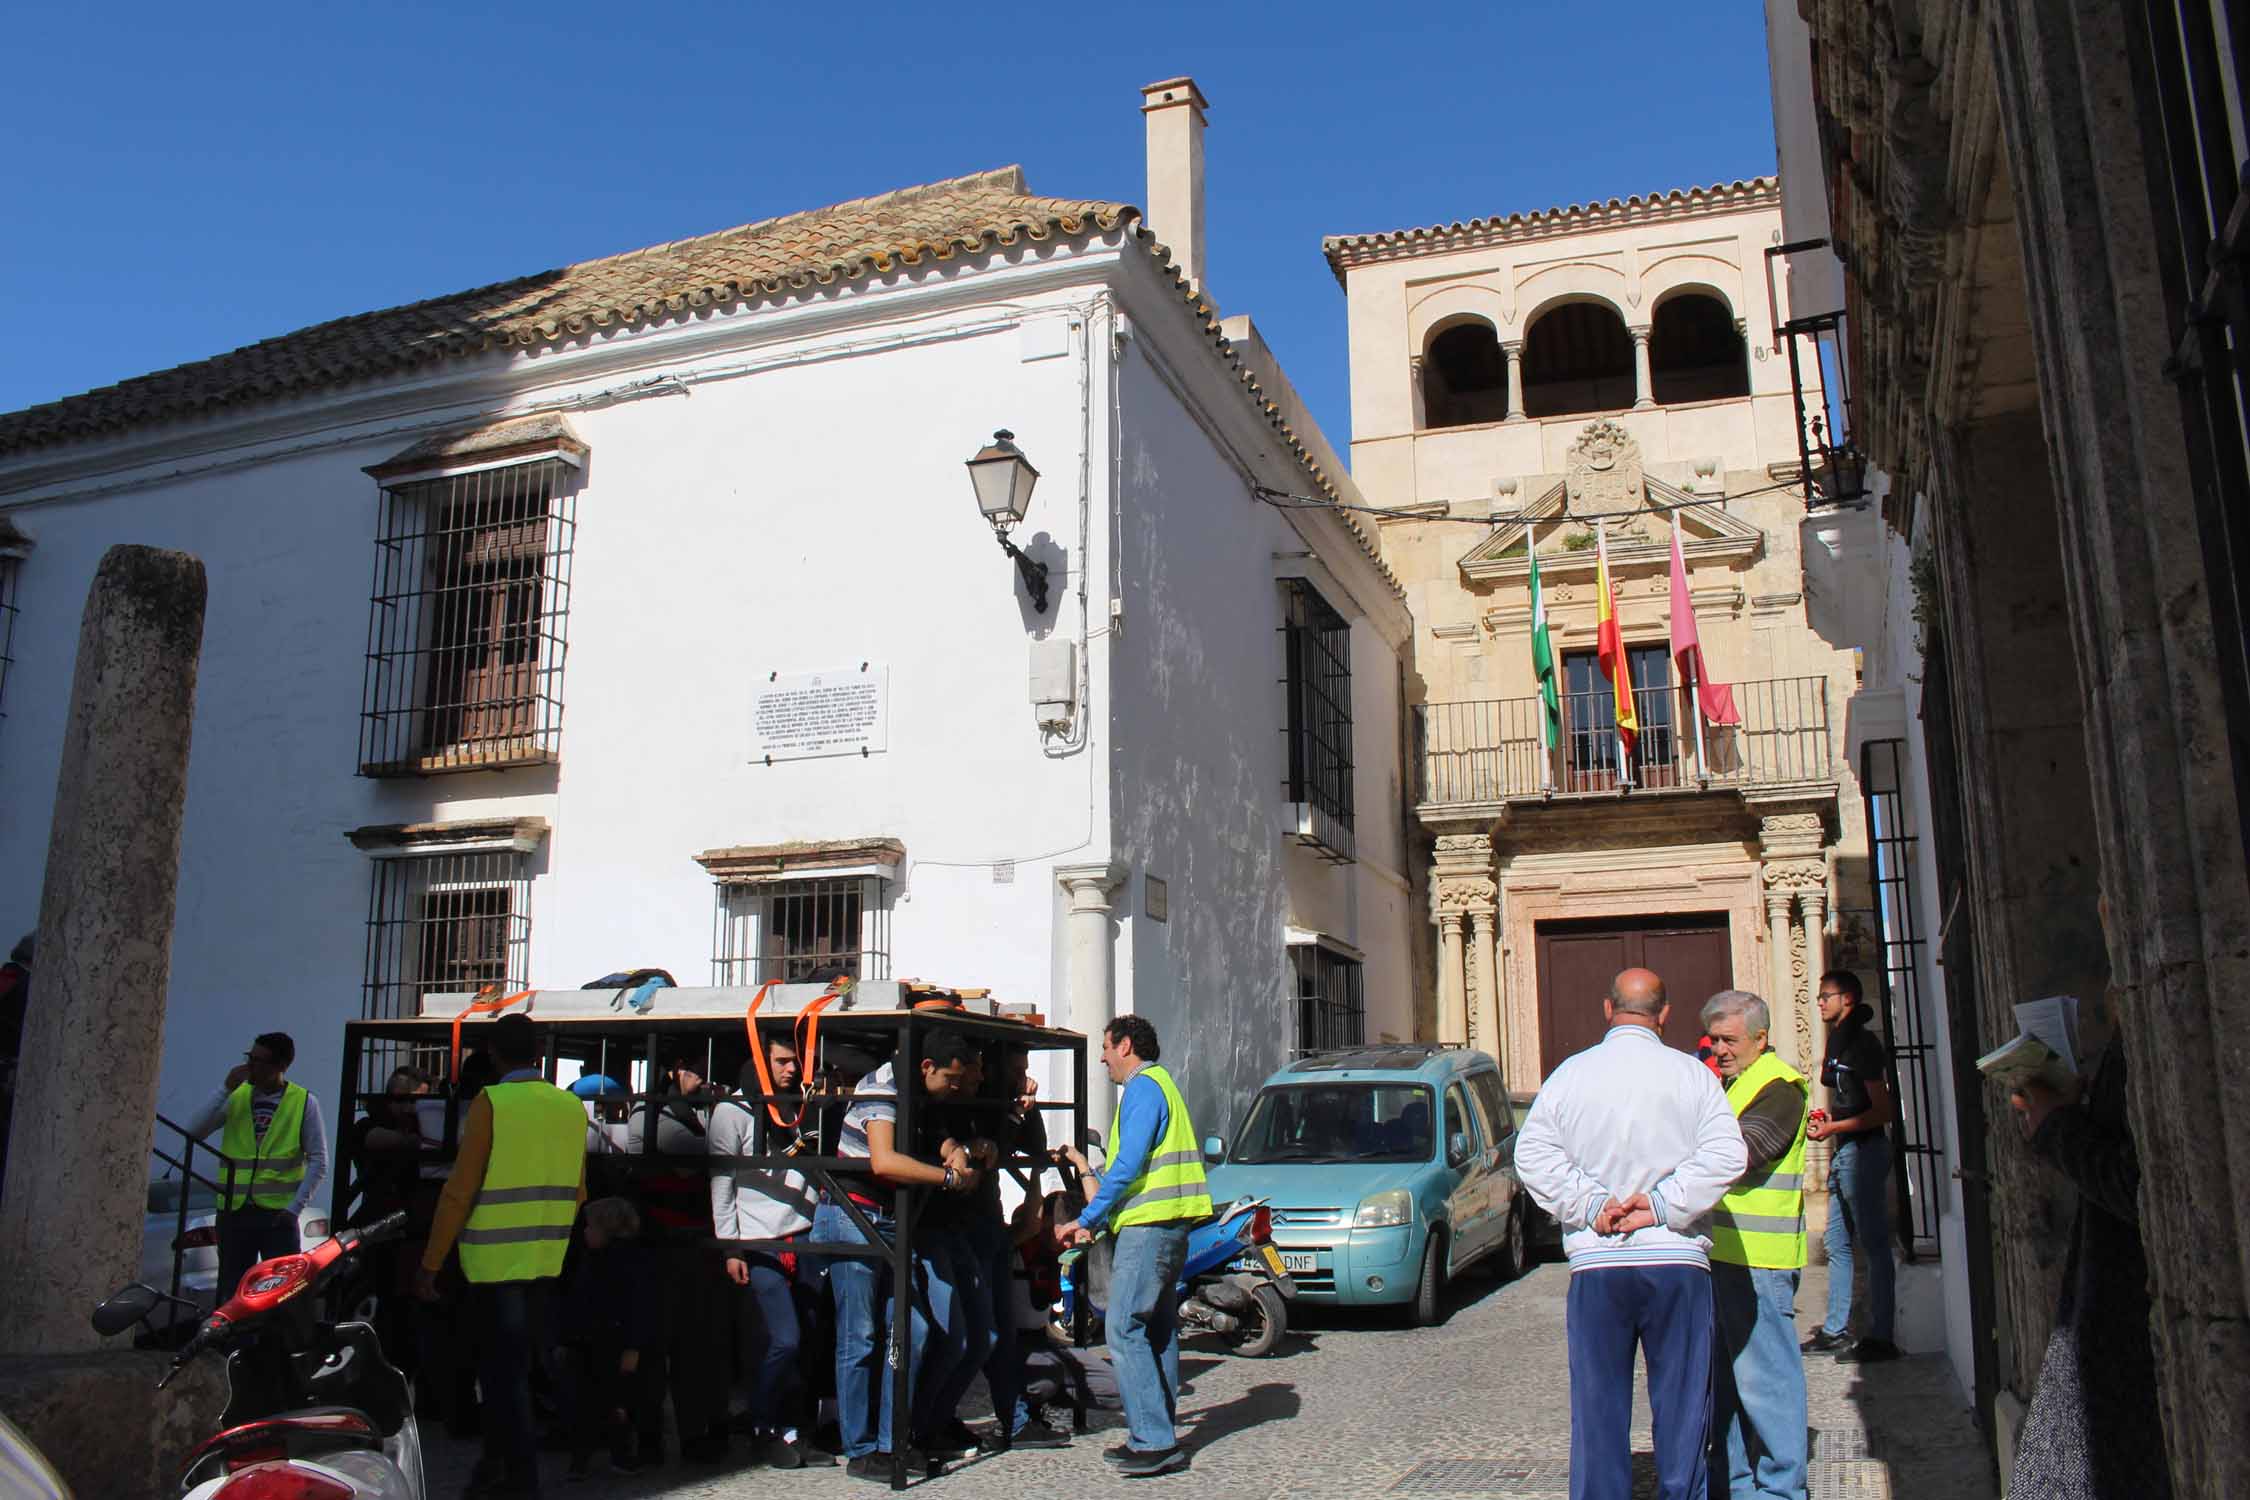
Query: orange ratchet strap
[[487, 1001], [808, 1037]]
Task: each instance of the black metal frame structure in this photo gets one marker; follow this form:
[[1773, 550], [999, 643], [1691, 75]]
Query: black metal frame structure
[[1834, 470], [1893, 841], [1317, 650], [465, 633], [2199, 202], [610, 1044], [10, 565]]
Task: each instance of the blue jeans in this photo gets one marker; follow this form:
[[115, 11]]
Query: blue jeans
[[960, 1323], [1758, 1385], [861, 1289], [768, 1341], [1859, 1208], [1666, 1312], [1003, 1366], [509, 1319], [1143, 1330]]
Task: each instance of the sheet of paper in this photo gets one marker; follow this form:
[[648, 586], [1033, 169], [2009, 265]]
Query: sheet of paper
[[2054, 1020]]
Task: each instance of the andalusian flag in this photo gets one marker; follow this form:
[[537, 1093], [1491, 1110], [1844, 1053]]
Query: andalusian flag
[[1609, 645], [1543, 655]]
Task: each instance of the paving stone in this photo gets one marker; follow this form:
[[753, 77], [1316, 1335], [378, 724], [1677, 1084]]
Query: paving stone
[[1356, 1405]]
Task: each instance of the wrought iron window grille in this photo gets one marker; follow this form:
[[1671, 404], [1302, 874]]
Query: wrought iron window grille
[[1331, 999], [1892, 843], [1317, 650], [791, 930], [445, 923], [465, 636], [1831, 465], [11, 562]]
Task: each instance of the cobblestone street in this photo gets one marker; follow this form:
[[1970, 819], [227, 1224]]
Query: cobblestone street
[[1355, 1406]]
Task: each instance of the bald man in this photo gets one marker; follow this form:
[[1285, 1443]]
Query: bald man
[[1628, 1145]]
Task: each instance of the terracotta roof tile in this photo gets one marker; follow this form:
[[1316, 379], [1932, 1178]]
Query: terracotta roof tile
[[822, 247], [1347, 250]]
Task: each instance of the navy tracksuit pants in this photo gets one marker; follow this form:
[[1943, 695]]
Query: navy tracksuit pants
[[1664, 1311]]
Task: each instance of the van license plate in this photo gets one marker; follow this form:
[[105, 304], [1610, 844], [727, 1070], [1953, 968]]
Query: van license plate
[[1298, 1260]]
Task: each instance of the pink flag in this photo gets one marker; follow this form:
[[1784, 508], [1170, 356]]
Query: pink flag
[[1716, 698]]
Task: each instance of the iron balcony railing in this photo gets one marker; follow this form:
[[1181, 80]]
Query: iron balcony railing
[[1492, 751]]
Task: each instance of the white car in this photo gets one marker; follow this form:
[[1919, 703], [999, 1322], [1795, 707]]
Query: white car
[[199, 1243]]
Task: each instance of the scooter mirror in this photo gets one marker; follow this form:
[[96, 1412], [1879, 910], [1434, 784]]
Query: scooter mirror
[[124, 1308], [1214, 1147]]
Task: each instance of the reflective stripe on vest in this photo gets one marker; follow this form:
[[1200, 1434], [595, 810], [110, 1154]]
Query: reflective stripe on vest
[[1761, 1221], [266, 1170], [1171, 1187], [519, 1225]]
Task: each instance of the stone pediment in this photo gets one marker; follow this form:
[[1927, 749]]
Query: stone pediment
[[1639, 537]]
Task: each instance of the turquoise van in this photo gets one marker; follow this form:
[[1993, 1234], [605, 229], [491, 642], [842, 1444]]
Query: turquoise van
[[1389, 1170]]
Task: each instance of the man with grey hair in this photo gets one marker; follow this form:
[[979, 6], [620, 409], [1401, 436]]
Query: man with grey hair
[[1628, 1145], [1757, 1253]]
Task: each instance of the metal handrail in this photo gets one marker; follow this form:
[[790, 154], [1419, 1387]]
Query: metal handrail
[[184, 1163], [1492, 750]]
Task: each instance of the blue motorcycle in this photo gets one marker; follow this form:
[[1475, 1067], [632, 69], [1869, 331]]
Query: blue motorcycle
[[1233, 1283]]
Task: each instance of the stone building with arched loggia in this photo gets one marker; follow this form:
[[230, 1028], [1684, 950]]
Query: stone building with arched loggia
[[1519, 382]]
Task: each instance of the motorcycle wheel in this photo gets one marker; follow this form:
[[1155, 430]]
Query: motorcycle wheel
[[1264, 1325]]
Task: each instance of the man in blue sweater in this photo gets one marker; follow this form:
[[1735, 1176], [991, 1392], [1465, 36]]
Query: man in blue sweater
[[1628, 1145], [1152, 1191]]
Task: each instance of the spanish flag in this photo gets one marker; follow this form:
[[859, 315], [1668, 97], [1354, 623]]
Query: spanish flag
[[1609, 645]]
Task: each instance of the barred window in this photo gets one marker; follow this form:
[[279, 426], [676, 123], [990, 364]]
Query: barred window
[[465, 638], [1331, 1007], [443, 924], [789, 930], [1317, 644]]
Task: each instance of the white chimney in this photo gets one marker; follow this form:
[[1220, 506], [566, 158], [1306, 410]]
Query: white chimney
[[1175, 171]]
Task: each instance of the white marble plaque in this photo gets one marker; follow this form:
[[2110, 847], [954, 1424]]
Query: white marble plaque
[[794, 715]]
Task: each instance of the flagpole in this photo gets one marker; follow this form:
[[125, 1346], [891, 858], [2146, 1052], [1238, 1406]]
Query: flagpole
[[1695, 672], [1624, 665]]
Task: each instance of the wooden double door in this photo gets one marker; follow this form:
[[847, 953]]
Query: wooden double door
[[1693, 954]]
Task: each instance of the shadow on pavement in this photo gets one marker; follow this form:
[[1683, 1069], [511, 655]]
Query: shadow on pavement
[[1274, 1401]]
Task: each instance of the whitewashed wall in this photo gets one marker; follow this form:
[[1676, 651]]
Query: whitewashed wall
[[802, 506]]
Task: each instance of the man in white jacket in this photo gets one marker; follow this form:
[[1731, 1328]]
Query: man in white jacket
[[1628, 1145]]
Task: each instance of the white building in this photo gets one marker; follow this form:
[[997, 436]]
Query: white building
[[528, 604]]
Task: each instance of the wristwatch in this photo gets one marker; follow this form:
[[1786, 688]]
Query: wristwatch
[[949, 1179]]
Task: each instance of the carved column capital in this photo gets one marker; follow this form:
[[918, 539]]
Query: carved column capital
[[1777, 904], [1640, 333], [1795, 876], [1464, 894], [1513, 348], [1450, 923], [1089, 886]]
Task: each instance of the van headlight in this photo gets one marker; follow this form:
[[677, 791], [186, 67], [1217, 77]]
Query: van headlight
[[1393, 1207]]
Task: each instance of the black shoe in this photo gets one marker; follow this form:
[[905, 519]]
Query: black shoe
[[781, 1453], [952, 1440], [1118, 1454], [1037, 1434], [1824, 1342], [1868, 1352], [1148, 1465], [877, 1466]]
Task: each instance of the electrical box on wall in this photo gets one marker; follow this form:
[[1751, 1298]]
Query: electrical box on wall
[[1054, 683]]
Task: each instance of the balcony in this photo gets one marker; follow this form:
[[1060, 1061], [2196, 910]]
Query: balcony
[[1491, 752]]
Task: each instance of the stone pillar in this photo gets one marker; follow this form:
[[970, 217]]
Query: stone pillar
[[1490, 1036], [1453, 1011], [78, 1175], [1093, 1002], [1643, 383], [1813, 899], [1513, 349], [1416, 395], [1781, 985]]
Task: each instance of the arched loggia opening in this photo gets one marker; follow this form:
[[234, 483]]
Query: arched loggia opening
[[1576, 358], [1464, 377], [1695, 353]]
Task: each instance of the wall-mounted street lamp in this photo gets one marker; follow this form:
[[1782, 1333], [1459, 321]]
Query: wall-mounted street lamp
[[1003, 478]]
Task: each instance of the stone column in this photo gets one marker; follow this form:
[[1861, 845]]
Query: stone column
[[1489, 1035], [1643, 383], [1453, 1010], [78, 1174], [1781, 986], [1093, 1002], [1813, 900], [1416, 395], [1513, 350]]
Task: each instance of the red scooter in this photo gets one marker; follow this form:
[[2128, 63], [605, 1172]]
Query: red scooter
[[314, 1410]]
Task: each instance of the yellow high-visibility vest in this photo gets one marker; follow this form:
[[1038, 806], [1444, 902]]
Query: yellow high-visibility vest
[[266, 1170], [1171, 1186], [1761, 1220], [519, 1226]]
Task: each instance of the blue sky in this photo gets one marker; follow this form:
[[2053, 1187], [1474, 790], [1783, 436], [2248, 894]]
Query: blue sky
[[186, 180]]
